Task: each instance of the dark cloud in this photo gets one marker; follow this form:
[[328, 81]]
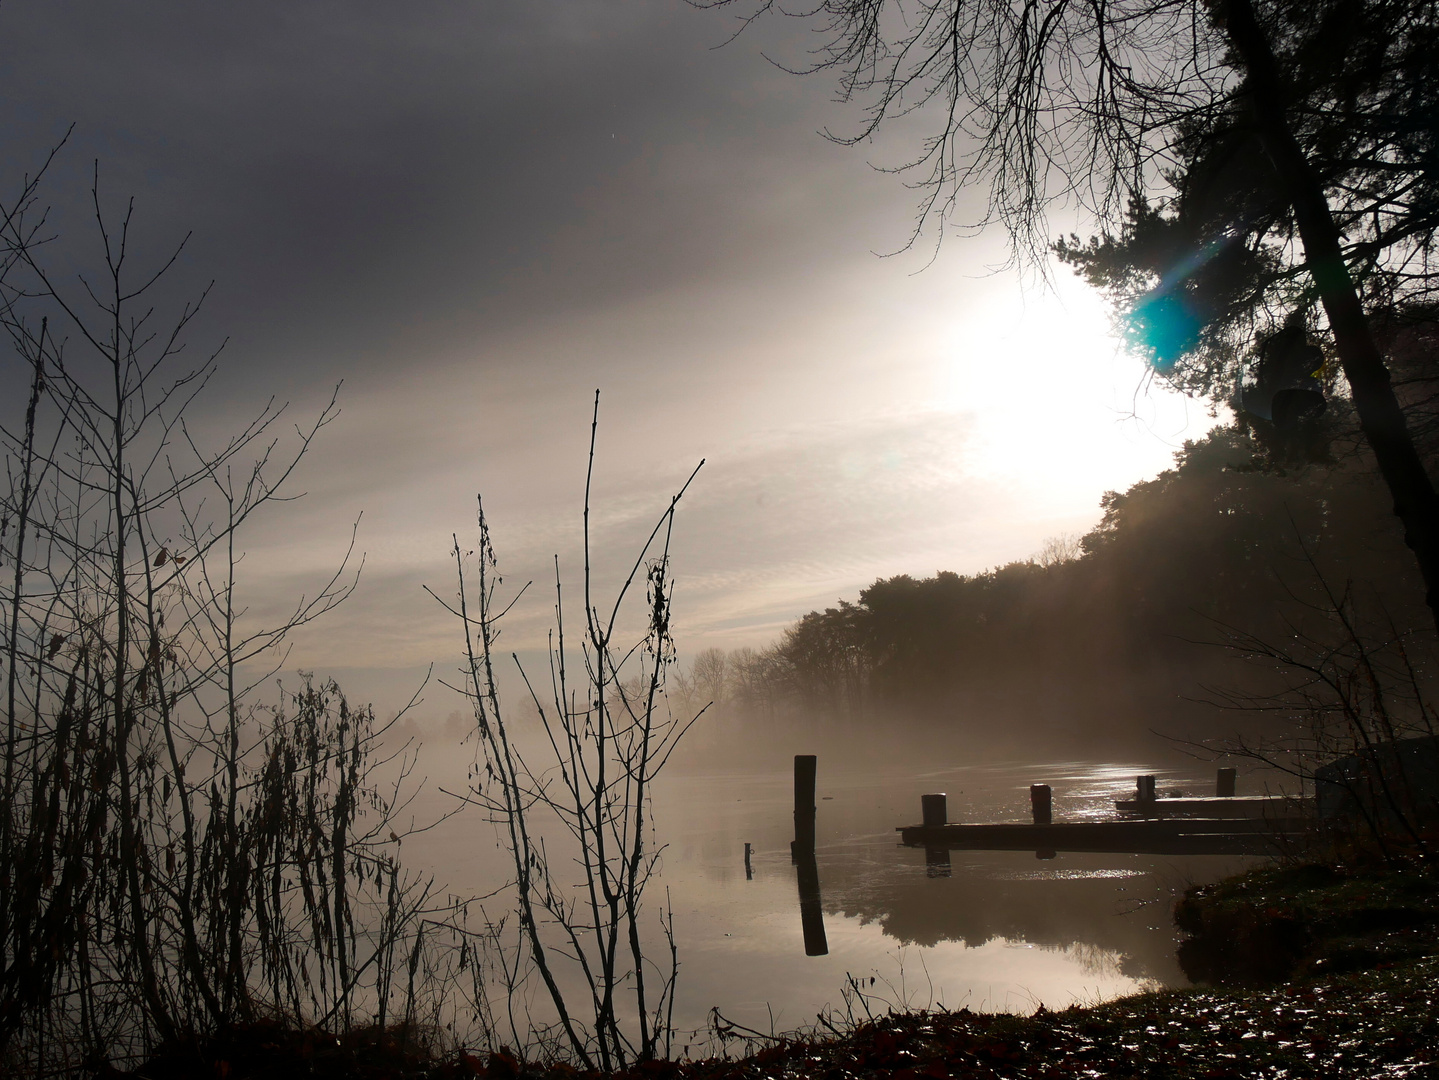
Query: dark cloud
[[364, 178], [477, 212]]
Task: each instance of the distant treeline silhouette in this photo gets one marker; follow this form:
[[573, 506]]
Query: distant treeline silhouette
[[1115, 634]]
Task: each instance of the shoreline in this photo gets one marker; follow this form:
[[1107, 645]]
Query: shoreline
[[1357, 951]]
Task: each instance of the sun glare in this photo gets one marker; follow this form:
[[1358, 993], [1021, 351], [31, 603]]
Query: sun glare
[[1056, 403]]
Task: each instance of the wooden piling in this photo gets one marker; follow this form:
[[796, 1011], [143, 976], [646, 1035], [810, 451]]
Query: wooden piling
[[748, 869], [933, 809], [1224, 783], [804, 774], [1144, 788], [1041, 803]]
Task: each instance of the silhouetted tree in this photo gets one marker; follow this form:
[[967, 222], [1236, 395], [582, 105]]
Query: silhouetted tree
[[1297, 138], [825, 658], [707, 677]]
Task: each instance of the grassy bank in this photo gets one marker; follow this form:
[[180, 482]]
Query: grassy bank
[[1334, 973]]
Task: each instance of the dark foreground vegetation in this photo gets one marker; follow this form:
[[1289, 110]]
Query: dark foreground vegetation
[[1294, 923], [186, 853], [1331, 972]]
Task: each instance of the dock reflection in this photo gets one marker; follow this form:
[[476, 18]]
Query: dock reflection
[[1118, 906]]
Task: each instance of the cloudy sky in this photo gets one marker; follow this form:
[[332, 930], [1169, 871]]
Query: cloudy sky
[[476, 212]]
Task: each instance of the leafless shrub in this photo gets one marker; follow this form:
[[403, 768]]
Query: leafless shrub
[[581, 800], [176, 856]]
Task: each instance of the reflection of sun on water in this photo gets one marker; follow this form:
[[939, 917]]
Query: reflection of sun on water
[[1064, 875]]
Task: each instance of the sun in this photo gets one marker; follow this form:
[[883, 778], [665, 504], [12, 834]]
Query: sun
[[1056, 402]]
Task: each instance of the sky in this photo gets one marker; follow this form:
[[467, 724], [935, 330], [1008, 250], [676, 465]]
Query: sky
[[473, 214]]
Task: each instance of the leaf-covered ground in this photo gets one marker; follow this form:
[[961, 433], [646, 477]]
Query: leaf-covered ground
[[1382, 1023], [1376, 1024]]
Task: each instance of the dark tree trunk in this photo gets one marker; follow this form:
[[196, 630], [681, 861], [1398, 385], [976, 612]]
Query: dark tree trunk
[[1380, 417]]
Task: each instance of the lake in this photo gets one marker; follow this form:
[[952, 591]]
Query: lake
[[1002, 931]]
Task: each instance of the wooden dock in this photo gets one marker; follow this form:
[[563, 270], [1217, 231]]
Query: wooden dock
[[1221, 824], [1238, 836], [1217, 806]]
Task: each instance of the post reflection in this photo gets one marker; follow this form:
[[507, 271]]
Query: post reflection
[[936, 862], [811, 911]]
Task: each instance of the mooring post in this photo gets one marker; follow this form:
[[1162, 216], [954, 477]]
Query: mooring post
[[1144, 788], [1224, 783], [804, 772], [1041, 802], [748, 869], [934, 811]]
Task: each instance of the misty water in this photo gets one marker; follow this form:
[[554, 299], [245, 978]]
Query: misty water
[[1003, 931]]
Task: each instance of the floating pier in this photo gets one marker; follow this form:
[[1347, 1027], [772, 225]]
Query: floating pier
[[1218, 807], [1223, 824], [1224, 803], [1145, 837]]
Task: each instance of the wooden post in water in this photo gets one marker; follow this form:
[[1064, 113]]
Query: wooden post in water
[[1144, 788], [804, 773], [811, 910], [1224, 783], [933, 810], [1041, 802], [748, 869]]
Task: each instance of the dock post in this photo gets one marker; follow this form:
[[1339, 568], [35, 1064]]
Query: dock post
[[1144, 786], [1041, 802], [934, 810], [748, 869], [1224, 783], [804, 773]]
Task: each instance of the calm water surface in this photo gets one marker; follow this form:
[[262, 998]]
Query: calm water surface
[[1004, 931]]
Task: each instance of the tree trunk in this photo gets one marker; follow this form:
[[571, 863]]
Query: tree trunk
[[1380, 417]]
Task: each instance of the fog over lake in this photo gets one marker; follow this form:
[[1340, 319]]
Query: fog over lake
[[462, 460], [999, 930]]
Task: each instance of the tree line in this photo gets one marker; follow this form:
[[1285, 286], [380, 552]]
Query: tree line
[[1130, 628]]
